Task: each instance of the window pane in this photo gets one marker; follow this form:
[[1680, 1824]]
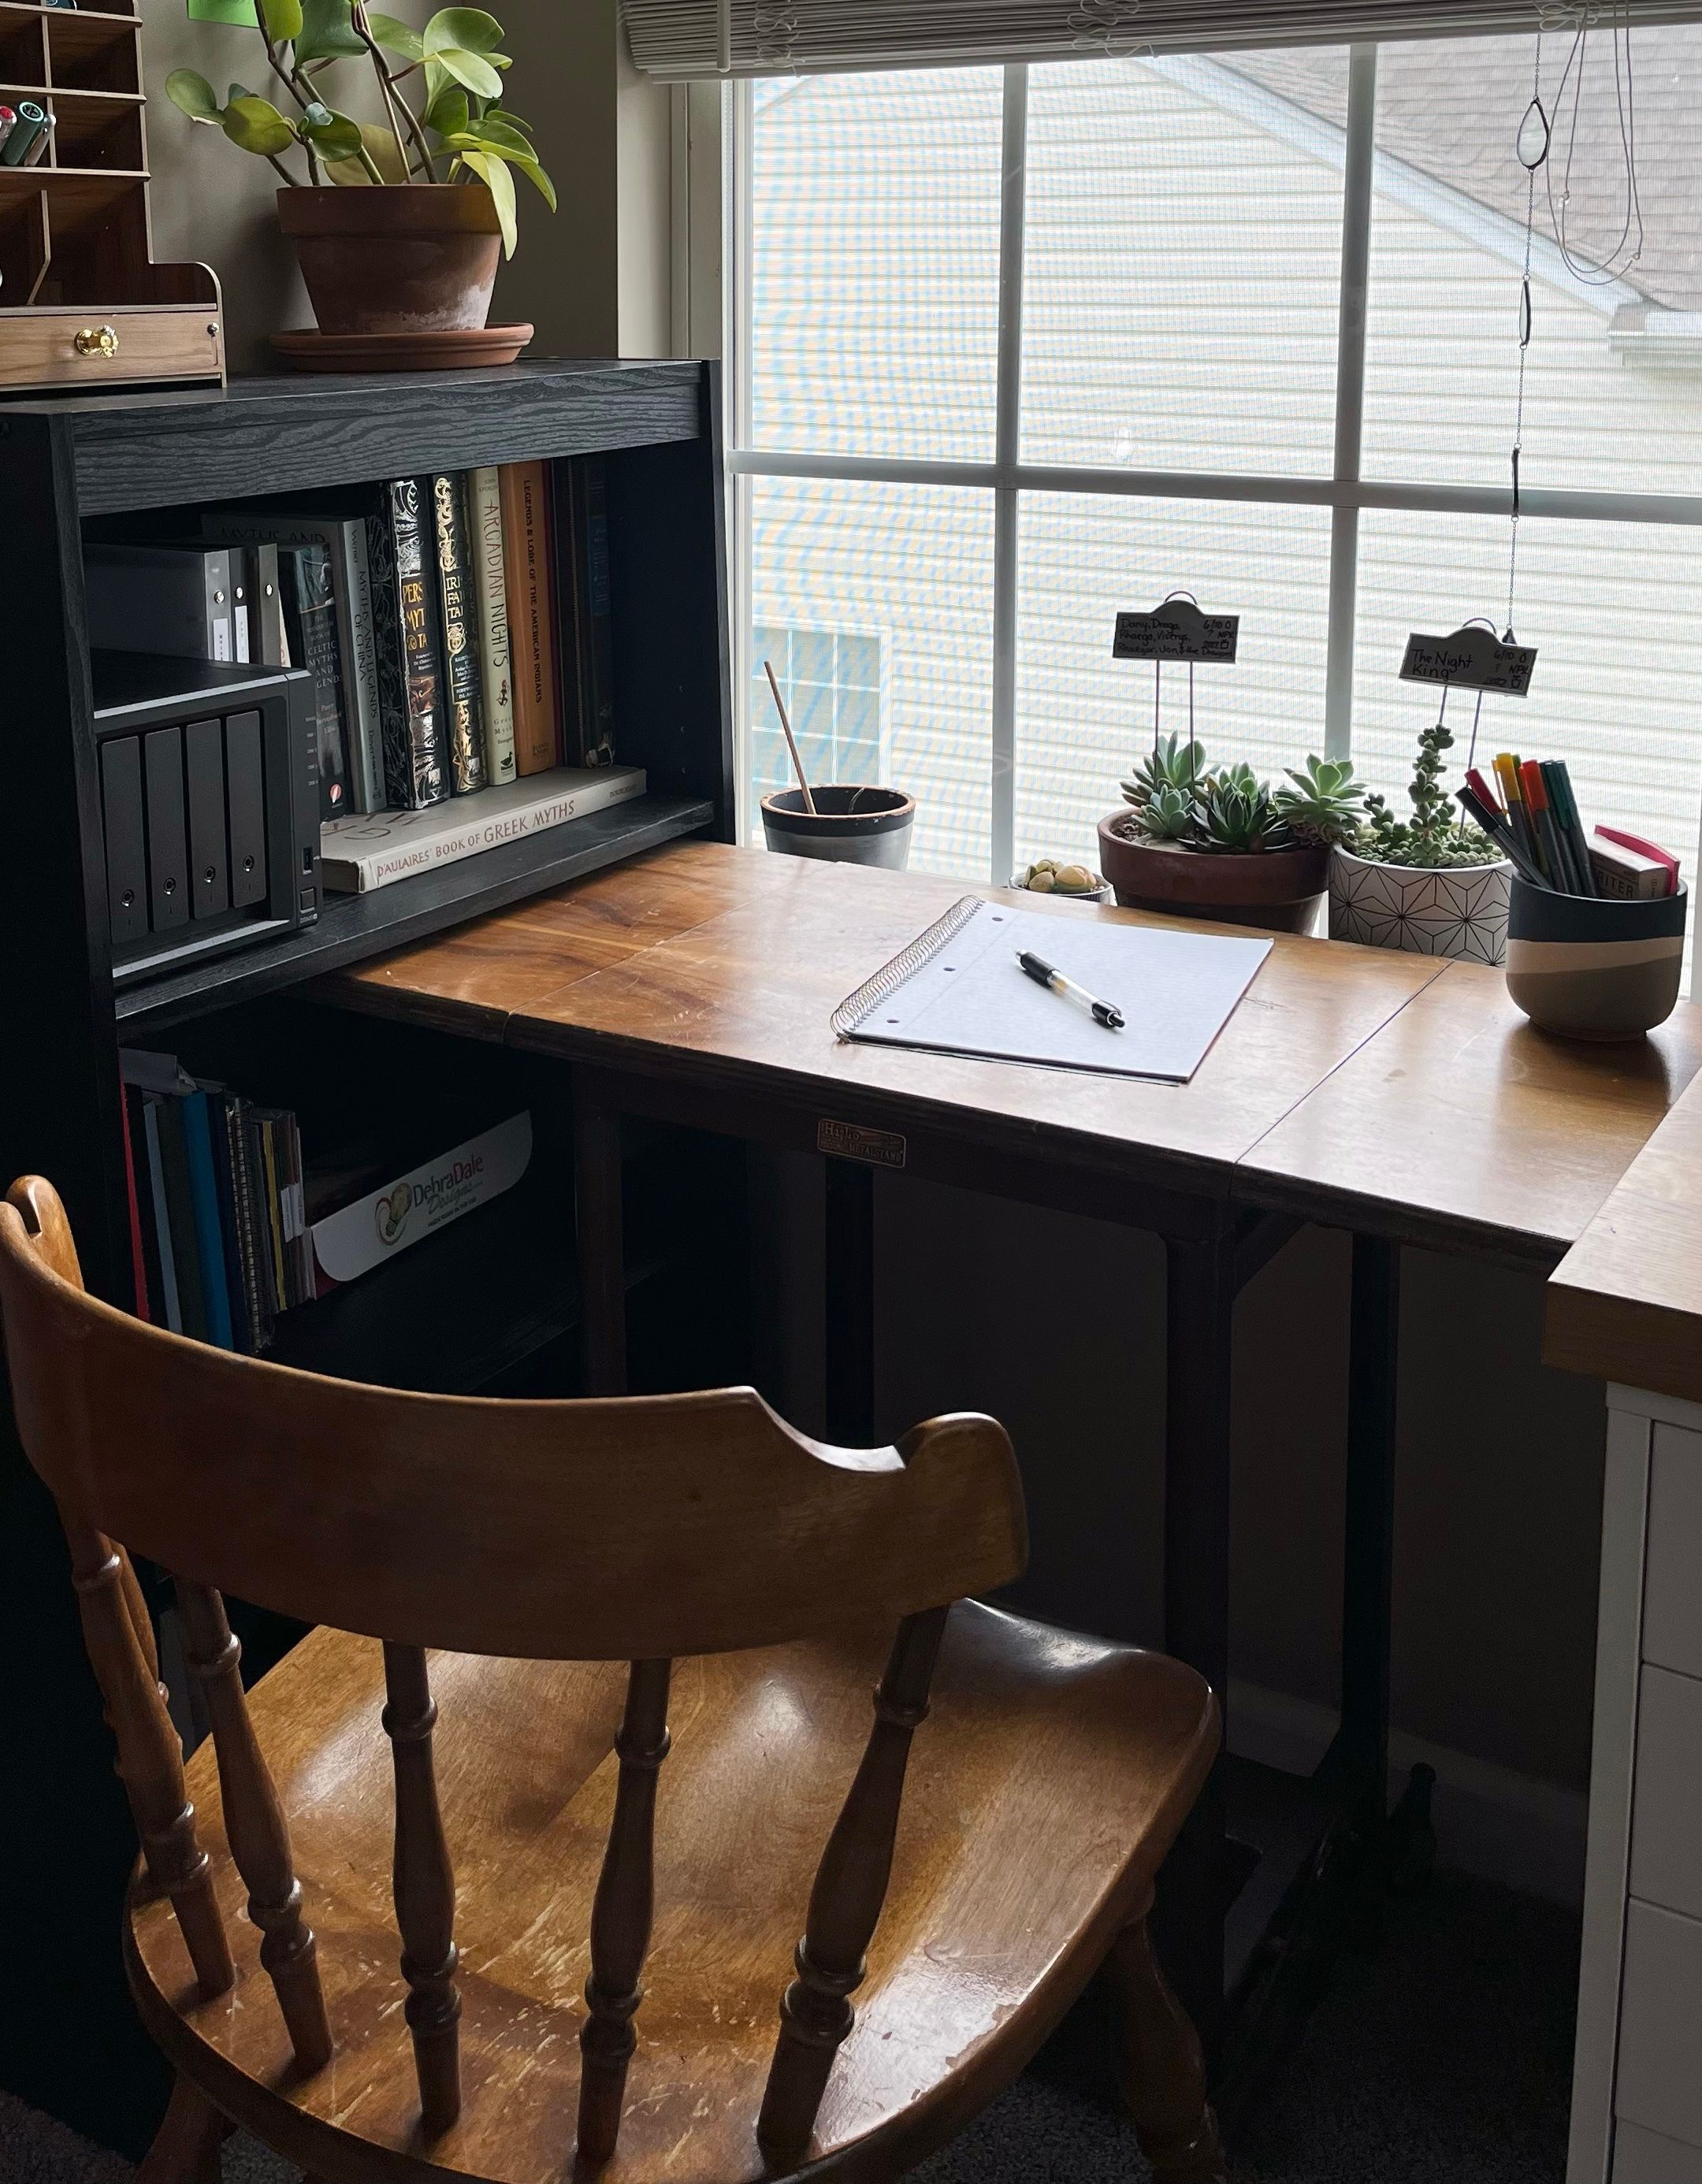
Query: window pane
[[1084, 718], [906, 574], [1615, 612], [1183, 253], [1613, 391], [874, 262]]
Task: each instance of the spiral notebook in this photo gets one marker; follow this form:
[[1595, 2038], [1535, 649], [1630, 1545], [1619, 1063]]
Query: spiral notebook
[[957, 989]]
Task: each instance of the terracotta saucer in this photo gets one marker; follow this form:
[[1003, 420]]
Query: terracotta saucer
[[309, 350]]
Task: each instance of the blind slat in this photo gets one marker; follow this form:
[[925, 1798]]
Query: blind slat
[[677, 41]]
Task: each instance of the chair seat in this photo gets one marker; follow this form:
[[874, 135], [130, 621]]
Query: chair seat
[[1043, 1789]]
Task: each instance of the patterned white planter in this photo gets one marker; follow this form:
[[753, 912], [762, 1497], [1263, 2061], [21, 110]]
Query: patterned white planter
[[1459, 911]]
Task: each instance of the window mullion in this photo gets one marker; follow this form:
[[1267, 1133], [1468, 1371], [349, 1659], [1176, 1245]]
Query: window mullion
[[1006, 449], [1350, 396]]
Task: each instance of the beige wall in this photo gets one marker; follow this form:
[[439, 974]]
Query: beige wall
[[595, 280]]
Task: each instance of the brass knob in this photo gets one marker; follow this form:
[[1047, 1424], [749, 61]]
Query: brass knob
[[96, 341]]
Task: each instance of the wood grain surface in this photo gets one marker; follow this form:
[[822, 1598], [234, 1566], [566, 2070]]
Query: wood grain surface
[[740, 1000], [1036, 1741], [1463, 1127], [1626, 1302]]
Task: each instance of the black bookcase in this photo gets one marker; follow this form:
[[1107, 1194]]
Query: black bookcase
[[68, 2039]]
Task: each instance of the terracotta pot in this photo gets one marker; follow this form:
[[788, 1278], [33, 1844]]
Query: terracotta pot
[[1279, 889], [411, 258]]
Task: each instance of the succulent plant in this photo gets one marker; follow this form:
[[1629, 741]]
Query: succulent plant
[[1169, 765], [1436, 837], [1168, 815], [1325, 802], [1235, 811]]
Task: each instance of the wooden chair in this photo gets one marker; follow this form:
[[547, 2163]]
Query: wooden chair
[[650, 1575]]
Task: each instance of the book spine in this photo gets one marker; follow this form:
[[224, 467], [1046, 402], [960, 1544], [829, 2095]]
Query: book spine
[[209, 1243], [407, 652], [173, 1315], [526, 541], [361, 670], [225, 1183], [348, 874], [570, 618], [462, 711], [138, 1260], [305, 572], [174, 1158], [596, 603], [268, 1161], [484, 531]]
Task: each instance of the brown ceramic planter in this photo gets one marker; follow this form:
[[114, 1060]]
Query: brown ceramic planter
[[410, 258], [1278, 888]]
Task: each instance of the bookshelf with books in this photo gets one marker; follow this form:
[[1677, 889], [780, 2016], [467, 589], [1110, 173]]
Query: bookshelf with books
[[240, 1097]]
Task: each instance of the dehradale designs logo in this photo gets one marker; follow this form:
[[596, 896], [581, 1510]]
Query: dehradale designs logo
[[436, 1196], [391, 1214]]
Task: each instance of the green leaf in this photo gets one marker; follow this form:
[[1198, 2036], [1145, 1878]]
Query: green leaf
[[193, 94], [396, 38], [328, 32], [494, 172], [506, 144], [237, 91], [282, 20], [471, 28], [471, 69], [335, 137], [448, 112], [254, 125], [508, 120]]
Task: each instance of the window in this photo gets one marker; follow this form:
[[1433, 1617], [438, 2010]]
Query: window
[[830, 684], [1013, 348]]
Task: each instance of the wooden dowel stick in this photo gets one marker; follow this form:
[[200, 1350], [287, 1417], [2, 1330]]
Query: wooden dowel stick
[[797, 763]]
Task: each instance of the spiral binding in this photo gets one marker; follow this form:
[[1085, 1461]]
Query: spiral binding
[[857, 1006]]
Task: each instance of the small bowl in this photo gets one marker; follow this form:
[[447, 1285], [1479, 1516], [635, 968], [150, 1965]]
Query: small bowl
[[1101, 894], [1594, 967]]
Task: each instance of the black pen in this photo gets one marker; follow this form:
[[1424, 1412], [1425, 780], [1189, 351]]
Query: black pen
[[1044, 974]]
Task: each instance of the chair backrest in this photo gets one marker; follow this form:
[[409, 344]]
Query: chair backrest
[[637, 1529]]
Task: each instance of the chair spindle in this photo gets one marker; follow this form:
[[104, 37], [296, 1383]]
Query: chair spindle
[[424, 1889], [150, 1755], [816, 2012], [255, 1827], [621, 1914]]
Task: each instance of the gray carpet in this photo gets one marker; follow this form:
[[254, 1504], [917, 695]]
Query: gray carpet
[[1444, 2056]]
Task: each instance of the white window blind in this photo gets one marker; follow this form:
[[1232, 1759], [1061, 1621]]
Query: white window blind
[[677, 40]]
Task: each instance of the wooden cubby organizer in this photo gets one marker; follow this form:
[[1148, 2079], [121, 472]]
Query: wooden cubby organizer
[[490, 1305], [82, 303]]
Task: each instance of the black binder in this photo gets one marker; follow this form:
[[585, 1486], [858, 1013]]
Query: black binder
[[126, 850], [168, 850], [245, 792], [203, 752]]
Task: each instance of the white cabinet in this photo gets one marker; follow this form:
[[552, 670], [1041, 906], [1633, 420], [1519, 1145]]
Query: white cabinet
[[1637, 2091]]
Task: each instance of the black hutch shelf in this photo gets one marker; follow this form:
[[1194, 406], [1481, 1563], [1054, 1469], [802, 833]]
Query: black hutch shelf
[[146, 464]]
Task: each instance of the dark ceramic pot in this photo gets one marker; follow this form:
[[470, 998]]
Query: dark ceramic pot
[[1279, 889], [851, 826], [1589, 968], [414, 258]]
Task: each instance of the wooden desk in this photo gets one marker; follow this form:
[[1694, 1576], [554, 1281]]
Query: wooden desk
[[1391, 1094]]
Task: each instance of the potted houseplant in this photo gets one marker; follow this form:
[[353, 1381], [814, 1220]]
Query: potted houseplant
[[396, 221], [1200, 841], [1432, 883]]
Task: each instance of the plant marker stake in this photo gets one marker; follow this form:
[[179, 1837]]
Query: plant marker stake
[[797, 763]]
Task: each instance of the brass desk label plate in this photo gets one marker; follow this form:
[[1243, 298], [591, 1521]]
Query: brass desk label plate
[[851, 1141]]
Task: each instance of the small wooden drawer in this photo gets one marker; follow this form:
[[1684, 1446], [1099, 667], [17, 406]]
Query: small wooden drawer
[[1672, 1598], [1658, 2085], [114, 347], [1665, 1836]]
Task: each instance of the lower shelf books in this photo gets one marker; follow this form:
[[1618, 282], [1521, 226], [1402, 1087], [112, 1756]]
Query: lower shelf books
[[231, 1228], [371, 850]]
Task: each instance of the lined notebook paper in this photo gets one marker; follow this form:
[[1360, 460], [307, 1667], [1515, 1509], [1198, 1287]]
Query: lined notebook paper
[[957, 989]]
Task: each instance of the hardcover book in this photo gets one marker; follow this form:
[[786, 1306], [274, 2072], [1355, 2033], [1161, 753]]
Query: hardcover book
[[490, 589], [405, 643], [357, 854], [592, 605], [463, 710], [310, 616], [530, 619]]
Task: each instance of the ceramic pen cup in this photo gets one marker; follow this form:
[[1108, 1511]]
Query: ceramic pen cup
[[1591, 968], [850, 827]]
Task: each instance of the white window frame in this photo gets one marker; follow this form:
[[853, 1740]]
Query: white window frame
[[1345, 492], [877, 637]]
